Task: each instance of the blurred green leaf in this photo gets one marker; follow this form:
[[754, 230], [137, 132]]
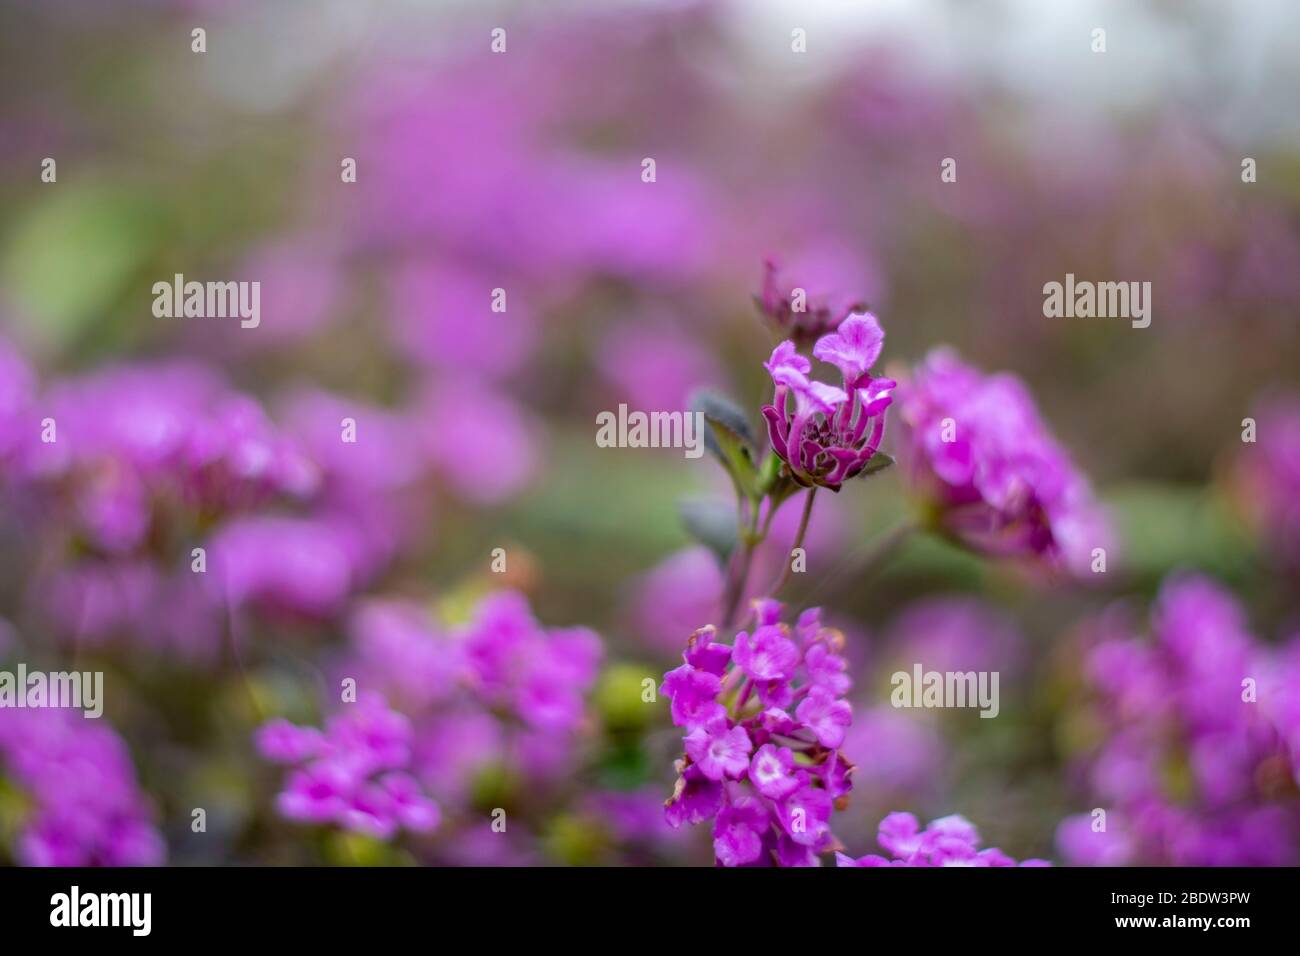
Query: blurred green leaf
[[727, 414], [1163, 527], [712, 523], [731, 440], [877, 463], [73, 254]]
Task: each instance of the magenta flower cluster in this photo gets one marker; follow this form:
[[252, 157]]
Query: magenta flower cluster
[[120, 472], [831, 433], [949, 841], [537, 673], [354, 775], [439, 706], [989, 471], [1197, 761], [120, 445], [764, 718], [86, 807]]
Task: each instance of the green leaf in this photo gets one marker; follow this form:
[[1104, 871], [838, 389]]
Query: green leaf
[[877, 463], [712, 523], [722, 410], [70, 256], [730, 439]]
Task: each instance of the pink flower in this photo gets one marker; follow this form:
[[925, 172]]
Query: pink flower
[[992, 474], [771, 772], [825, 715], [832, 433], [770, 778], [718, 750], [767, 656]]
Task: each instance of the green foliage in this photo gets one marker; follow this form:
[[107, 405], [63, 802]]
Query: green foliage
[[72, 254]]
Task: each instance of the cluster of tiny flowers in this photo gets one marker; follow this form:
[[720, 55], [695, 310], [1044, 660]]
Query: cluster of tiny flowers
[[498, 691], [764, 721], [540, 674], [948, 841], [831, 433], [117, 475], [992, 475], [354, 774], [121, 472], [87, 809], [1194, 768], [116, 447]]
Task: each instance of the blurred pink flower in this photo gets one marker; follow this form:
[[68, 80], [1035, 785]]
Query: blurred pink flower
[[655, 367], [442, 316]]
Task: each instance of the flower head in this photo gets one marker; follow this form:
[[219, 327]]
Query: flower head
[[352, 775], [769, 655], [1180, 700], [993, 476], [87, 808], [443, 705], [832, 432], [807, 298], [948, 841], [540, 674], [770, 777], [719, 749]]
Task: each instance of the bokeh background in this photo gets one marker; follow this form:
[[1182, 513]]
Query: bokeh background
[[522, 171]]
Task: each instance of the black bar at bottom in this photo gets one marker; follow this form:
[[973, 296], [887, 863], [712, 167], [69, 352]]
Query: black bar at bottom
[[332, 906]]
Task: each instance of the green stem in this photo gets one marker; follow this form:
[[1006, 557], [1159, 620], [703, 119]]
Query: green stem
[[738, 569], [786, 567]]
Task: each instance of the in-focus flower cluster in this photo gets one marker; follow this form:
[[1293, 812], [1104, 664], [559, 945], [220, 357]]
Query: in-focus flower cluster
[[1193, 767], [831, 433], [764, 721], [500, 694], [991, 474], [85, 807], [948, 841]]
